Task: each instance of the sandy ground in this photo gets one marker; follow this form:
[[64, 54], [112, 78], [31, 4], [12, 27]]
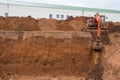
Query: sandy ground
[[62, 53]]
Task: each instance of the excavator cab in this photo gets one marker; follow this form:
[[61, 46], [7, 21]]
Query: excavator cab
[[92, 23]]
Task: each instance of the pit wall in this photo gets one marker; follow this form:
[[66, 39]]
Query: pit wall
[[46, 53]]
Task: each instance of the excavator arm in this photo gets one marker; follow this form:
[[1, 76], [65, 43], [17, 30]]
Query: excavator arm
[[98, 44]]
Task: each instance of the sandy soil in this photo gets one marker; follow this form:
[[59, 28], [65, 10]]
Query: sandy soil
[[48, 49]]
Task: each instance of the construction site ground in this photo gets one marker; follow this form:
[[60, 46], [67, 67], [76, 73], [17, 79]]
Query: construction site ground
[[50, 49]]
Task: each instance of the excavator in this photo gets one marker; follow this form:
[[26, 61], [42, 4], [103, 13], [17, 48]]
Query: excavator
[[96, 24]]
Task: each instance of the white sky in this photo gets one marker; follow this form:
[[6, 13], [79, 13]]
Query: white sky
[[105, 4]]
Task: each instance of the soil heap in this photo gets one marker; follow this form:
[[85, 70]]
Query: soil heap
[[31, 24]]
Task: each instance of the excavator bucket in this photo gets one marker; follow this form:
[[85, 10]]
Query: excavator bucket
[[97, 46]]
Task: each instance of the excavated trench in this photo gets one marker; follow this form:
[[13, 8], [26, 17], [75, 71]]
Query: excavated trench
[[49, 53], [98, 69]]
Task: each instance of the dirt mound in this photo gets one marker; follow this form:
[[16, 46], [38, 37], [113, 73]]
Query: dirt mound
[[3, 23], [18, 23], [64, 26], [78, 23], [74, 23], [30, 24], [47, 24], [113, 26], [109, 24]]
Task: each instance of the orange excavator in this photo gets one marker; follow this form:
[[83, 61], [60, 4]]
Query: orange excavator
[[96, 24]]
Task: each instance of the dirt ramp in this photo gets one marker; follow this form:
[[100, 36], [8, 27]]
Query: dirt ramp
[[53, 54]]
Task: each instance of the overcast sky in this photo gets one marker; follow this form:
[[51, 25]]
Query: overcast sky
[[105, 4]]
